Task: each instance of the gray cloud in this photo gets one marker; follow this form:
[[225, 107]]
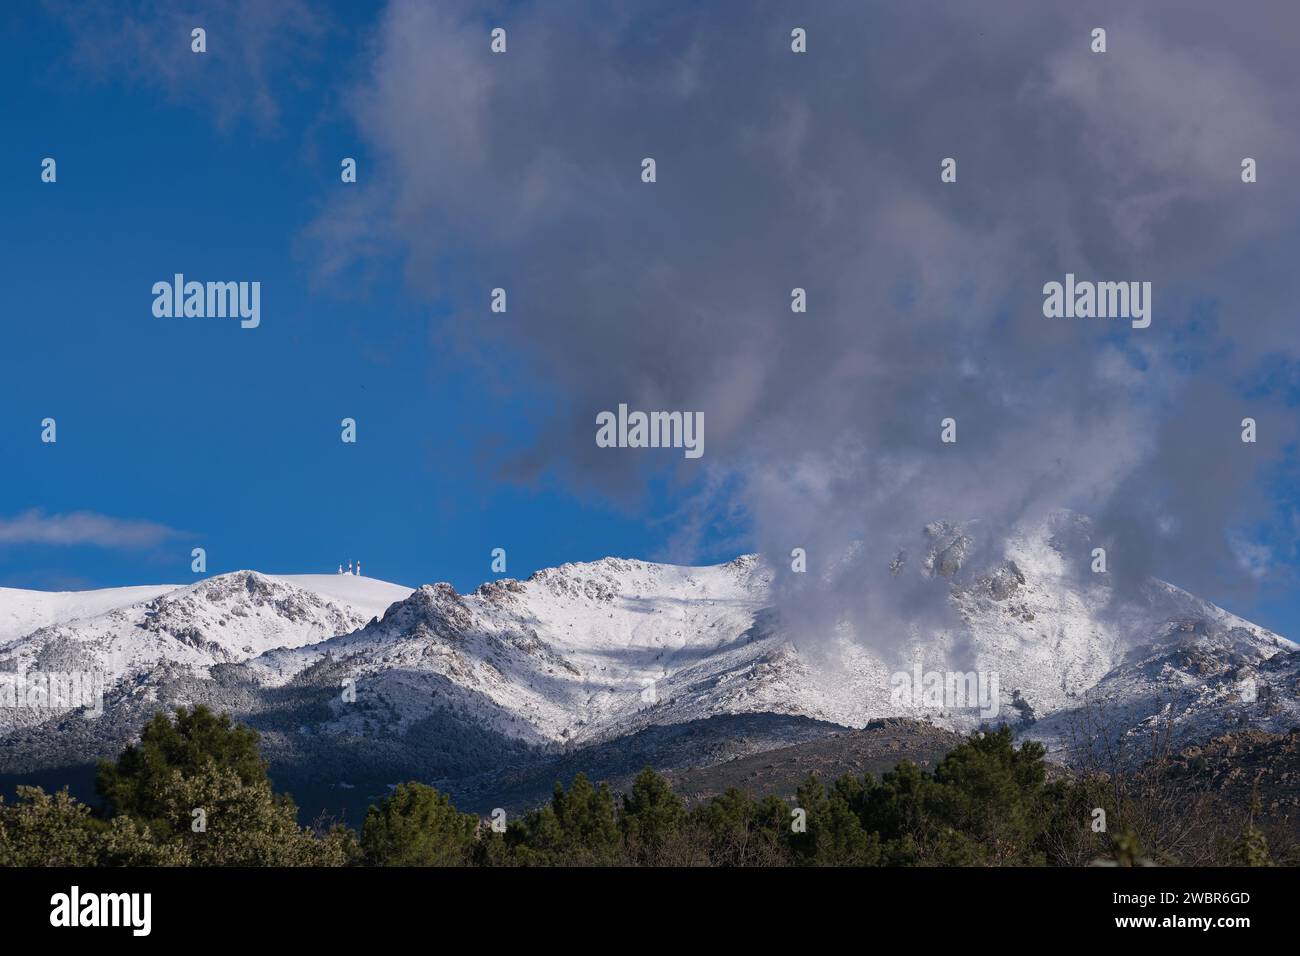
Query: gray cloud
[[82, 528], [822, 171]]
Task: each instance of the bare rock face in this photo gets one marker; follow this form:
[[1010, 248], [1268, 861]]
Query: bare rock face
[[949, 548], [1005, 581], [503, 591]]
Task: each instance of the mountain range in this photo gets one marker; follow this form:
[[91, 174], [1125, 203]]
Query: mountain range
[[605, 666]]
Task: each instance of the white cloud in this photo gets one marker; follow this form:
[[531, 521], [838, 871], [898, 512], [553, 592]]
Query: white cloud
[[82, 528]]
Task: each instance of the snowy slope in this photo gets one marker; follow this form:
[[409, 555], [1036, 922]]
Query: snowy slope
[[369, 597], [561, 656], [22, 612], [587, 653], [224, 619], [1199, 679]]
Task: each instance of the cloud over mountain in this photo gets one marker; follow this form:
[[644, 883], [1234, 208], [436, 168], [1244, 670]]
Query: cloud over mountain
[[821, 171]]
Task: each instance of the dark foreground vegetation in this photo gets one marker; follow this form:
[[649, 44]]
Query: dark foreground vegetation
[[194, 792]]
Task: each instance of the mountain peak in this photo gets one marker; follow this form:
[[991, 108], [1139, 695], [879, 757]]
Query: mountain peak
[[594, 651]]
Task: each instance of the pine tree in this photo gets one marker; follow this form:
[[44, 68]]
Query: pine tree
[[585, 815], [652, 814], [417, 826]]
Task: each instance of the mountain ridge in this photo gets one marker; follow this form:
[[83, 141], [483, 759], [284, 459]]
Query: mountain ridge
[[440, 684]]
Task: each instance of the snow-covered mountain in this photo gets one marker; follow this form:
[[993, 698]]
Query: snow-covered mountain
[[573, 653], [1194, 681], [587, 652], [22, 612], [440, 683], [121, 634]]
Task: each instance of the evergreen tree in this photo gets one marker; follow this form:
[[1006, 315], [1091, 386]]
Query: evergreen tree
[[989, 792], [195, 740], [896, 811], [833, 834], [577, 828], [738, 831], [417, 826], [651, 816], [585, 815]]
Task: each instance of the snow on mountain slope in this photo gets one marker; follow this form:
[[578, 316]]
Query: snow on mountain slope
[[367, 596], [226, 618], [1052, 633], [22, 612], [587, 653], [549, 659], [1201, 677]]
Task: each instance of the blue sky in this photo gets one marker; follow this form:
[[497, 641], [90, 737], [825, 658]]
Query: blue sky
[[228, 436], [474, 429]]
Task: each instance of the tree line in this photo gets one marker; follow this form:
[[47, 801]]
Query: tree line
[[195, 791]]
